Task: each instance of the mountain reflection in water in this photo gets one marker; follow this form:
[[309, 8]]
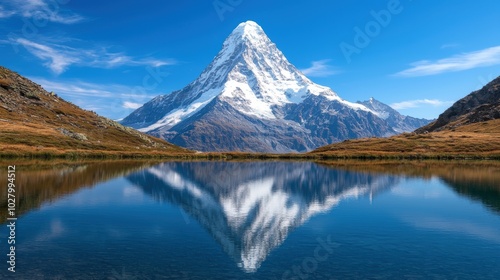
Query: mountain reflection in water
[[251, 208]]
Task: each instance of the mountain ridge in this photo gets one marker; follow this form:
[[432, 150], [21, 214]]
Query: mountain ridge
[[479, 106]]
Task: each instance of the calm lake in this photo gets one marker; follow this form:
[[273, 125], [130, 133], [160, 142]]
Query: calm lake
[[254, 220]]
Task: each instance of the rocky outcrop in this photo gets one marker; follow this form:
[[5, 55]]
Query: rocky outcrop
[[479, 106]]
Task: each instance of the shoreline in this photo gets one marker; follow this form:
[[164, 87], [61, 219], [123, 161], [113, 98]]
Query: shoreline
[[310, 156]]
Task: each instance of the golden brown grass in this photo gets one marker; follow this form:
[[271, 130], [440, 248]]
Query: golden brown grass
[[32, 140], [479, 140], [4, 82]]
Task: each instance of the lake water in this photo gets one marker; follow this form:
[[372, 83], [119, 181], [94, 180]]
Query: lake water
[[255, 220]]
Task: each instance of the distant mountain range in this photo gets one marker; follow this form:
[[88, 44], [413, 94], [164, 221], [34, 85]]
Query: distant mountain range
[[394, 119], [469, 128], [36, 122], [250, 98]]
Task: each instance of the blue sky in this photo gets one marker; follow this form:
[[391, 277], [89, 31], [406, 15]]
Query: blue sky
[[418, 56]]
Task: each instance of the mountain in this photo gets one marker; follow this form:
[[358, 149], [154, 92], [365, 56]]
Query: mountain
[[479, 106], [395, 120], [34, 121], [250, 98]]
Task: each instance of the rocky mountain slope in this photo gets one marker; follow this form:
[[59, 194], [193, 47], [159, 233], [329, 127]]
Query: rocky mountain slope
[[250, 98], [34, 121], [479, 106]]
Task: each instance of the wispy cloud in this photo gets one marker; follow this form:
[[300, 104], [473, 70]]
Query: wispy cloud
[[110, 100], [5, 14], [58, 57], [84, 89], [473, 229], [131, 105], [419, 103], [78, 89], [465, 61], [320, 68], [52, 11]]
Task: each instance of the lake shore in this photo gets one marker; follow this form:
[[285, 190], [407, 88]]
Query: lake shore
[[340, 154]]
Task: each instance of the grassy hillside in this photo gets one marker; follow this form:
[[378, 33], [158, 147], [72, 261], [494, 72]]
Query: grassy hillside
[[34, 122], [473, 140]]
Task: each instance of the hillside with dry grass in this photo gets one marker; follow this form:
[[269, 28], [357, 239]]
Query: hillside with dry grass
[[479, 140], [34, 122]]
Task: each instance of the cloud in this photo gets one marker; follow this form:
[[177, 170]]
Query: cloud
[[5, 14], [56, 230], [419, 103], [465, 61], [414, 193], [56, 59], [80, 89], [131, 105], [320, 68], [484, 232], [40, 10], [110, 100], [111, 60], [59, 58]]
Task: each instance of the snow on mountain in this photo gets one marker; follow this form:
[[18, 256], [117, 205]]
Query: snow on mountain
[[243, 101]]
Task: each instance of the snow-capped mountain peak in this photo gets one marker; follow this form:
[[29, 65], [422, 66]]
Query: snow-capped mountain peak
[[251, 91], [252, 75], [259, 72], [250, 32]]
